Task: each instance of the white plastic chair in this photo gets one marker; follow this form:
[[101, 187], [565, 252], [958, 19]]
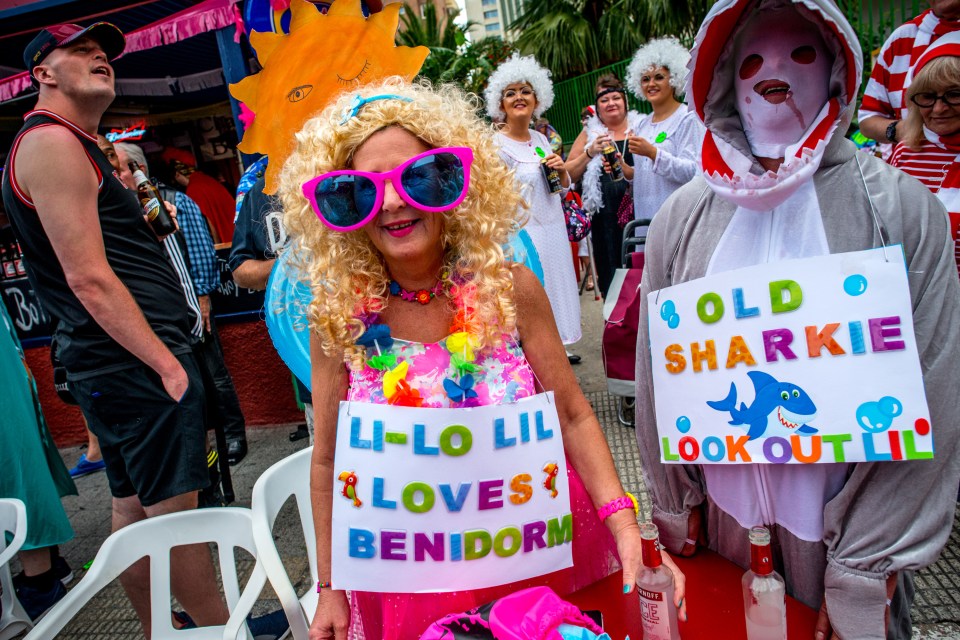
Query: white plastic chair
[[288, 477], [228, 527], [13, 518]]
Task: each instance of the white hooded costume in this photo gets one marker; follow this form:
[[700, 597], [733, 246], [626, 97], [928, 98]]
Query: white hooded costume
[[838, 530]]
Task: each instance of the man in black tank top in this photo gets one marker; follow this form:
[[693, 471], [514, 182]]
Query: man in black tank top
[[122, 326]]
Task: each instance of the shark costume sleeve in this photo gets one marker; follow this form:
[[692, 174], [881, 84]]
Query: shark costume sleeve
[[841, 529]]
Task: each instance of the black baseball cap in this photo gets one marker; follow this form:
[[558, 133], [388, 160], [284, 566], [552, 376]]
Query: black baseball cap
[[105, 34]]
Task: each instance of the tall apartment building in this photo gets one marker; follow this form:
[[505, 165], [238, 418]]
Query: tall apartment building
[[492, 17]]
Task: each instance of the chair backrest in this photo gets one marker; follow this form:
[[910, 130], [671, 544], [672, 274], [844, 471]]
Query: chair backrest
[[228, 527], [288, 477], [13, 519]]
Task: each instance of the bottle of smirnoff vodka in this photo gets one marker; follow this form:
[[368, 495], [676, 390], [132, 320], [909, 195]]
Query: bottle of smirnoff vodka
[[764, 592], [655, 588]]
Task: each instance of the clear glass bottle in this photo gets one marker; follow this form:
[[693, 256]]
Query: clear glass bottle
[[764, 592], [655, 588]]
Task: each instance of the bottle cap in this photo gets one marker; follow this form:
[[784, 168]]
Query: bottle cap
[[759, 536], [649, 531]]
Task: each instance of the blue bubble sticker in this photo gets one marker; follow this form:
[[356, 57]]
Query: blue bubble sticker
[[668, 309], [683, 424], [673, 321], [877, 417], [855, 285]]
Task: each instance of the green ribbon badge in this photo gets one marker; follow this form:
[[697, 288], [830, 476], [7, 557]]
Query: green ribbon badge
[[661, 137], [540, 152]]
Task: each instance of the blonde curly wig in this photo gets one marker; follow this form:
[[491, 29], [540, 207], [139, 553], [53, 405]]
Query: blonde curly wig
[[347, 274]]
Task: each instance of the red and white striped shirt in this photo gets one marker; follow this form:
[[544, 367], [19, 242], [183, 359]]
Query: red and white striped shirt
[[929, 165], [886, 92]]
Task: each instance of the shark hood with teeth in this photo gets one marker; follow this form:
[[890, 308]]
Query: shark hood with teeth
[[728, 161]]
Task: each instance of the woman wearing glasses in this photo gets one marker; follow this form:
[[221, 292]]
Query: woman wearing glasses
[[519, 91], [406, 263], [930, 150]]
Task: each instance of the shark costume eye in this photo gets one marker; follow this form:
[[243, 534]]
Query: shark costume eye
[[784, 395], [796, 394]]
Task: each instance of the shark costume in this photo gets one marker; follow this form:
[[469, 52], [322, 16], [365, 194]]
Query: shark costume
[[777, 79]]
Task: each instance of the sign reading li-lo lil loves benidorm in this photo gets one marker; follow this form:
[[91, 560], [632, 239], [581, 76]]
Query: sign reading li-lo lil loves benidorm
[[432, 500], [795, 362]]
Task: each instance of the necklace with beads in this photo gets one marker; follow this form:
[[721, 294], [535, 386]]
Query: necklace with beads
[[423, 296]]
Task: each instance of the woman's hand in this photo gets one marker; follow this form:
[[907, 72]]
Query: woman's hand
[[556, 162], [596, 147], [624, 167], [332, 618], [629, 549], [641, 147]]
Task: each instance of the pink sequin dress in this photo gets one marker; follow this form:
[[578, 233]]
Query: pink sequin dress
[[504, 376]]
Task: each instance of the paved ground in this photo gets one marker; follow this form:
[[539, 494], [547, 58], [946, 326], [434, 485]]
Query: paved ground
[[936, 610]]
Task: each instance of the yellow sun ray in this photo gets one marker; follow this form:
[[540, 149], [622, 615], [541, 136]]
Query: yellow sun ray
[[302, 72]]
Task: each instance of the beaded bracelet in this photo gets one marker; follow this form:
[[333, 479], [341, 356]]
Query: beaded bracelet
[[322, 585], [618, 504]]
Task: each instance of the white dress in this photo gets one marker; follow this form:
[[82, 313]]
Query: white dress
[[678, 140], [547, 230]]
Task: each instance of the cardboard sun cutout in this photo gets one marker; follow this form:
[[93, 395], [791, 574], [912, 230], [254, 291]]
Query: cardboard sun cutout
[[323, 56]]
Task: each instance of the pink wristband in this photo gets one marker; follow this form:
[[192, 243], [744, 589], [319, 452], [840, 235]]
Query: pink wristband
[[618, 504]]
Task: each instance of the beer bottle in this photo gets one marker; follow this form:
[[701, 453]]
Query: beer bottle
[[18, 261], [9, 270], [152, 203], [552, 175], [610, 154]]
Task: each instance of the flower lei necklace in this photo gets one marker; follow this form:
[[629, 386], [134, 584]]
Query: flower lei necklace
[[460, 343]]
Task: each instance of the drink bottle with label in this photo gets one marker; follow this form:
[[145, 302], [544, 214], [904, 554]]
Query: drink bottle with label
[[6, 260], [18, 261], [552, 175], [764, 592], [610, 155], [655, 588], [152, 203]]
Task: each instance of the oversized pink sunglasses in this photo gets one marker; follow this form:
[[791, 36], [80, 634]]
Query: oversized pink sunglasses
[[434, 181]]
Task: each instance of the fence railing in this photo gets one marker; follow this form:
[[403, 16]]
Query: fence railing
[[873, 20]]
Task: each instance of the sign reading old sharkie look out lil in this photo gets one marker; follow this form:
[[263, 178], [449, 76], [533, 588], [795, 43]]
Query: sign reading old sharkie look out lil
[[800, 361], [431, 500]]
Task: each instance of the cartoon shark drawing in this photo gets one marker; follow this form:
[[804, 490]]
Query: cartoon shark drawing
[[794, 408]]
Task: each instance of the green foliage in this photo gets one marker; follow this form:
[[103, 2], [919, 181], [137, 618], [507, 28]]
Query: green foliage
[[452, 59], [571, 37]]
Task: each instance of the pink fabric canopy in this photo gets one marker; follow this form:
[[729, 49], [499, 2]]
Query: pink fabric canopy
[[209, 15]]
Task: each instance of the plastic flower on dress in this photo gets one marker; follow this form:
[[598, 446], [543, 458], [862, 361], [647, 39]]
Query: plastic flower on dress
[[376, 336], [461, 366], [460, 391], [405, 396], [393, 377], [382, 362], [462, 343]]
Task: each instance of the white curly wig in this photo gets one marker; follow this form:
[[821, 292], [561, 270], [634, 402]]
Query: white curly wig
[[518, 69], [662, 52]]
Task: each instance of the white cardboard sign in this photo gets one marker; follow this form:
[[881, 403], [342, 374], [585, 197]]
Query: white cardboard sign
[[800, 361], [434, 500]]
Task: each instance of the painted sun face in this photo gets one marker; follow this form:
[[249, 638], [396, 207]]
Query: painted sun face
[[323, 56]]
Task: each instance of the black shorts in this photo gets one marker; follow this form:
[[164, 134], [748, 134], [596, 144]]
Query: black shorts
[[154, 447]]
